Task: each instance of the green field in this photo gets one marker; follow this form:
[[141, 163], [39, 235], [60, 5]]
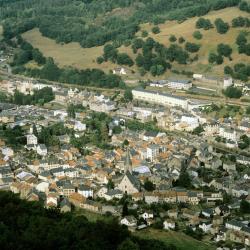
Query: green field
[[73, 54], [180, 240]]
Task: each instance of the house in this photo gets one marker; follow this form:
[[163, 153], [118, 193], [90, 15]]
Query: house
[[31, 139], [41, 149], [85, 191], [159, 84], [129, 184], [119, 71], [151, 197], [65, 206], [150, 135], [205, 226], [8, 152], [51, 200], [92, 206], [234, 225], [169, 224], [147, 215], [179, 84], [113, 193], [68, 189], [208, 212], [61, 96], [129, 221], [79, 126]]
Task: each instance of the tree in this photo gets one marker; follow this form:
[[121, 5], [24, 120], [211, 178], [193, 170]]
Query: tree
[[144, 33], [172, 38], [38, 57], [110, 52], [110, 184], [214, 58], [128, 245], [228, 70], [197, 35], [181, 40], [125, 209], [156, 30], [184, 180], [149, 186], [192, 47], [100, 60], [224, 50], [232, 92], [241, 39], [71, 111], [221, 26], [198, 130], [124, 59], [203, 23], [128, 96], [244, 207], [248, 110]]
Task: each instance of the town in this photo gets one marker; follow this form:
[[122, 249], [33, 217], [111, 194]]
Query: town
[[150, 158]]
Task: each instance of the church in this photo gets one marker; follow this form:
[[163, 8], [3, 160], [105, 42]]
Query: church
[[129, 183]]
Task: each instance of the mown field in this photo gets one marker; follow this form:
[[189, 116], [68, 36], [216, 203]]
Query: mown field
[[180, 240], [209, 41], [73, 54]]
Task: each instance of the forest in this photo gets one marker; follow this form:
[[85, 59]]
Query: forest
[[27, 225], [96, 22]]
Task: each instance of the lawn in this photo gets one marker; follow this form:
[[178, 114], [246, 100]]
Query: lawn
[[73, 54], [180, 240], [209, 41]]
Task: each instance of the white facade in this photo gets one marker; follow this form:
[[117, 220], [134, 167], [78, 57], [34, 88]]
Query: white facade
[[228, 133], [228, 81], [179, 84], [31, 140], [162, 99], [41, 150]]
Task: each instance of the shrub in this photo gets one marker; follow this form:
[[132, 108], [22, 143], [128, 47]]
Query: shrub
[[197, 35], [156, 30]]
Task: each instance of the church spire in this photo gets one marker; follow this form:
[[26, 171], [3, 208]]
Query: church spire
[[128, 162]]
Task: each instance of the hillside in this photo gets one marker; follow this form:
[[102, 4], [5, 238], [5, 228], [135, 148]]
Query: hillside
[[27, 225], [72, 54]]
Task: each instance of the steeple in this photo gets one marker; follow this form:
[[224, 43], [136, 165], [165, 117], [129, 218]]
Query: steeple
[[128, 162]]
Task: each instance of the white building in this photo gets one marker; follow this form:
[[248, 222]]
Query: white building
[[31, 139], [85, 191], [153, 151], [159, 84], [119, 71], [79, 126], [162, 99], [168, 224], [179, 84], [227, 82], [41, 150], [129, 221], [228, 133]]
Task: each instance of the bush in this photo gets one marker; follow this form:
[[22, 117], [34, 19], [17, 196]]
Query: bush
[[224, 50], [144, 33], [192, 47], [172, 38], [156, 30], [221, 26], [181, 39], [232, 92], [214, 58], [197, 35], [100, 60], [203, 23]]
